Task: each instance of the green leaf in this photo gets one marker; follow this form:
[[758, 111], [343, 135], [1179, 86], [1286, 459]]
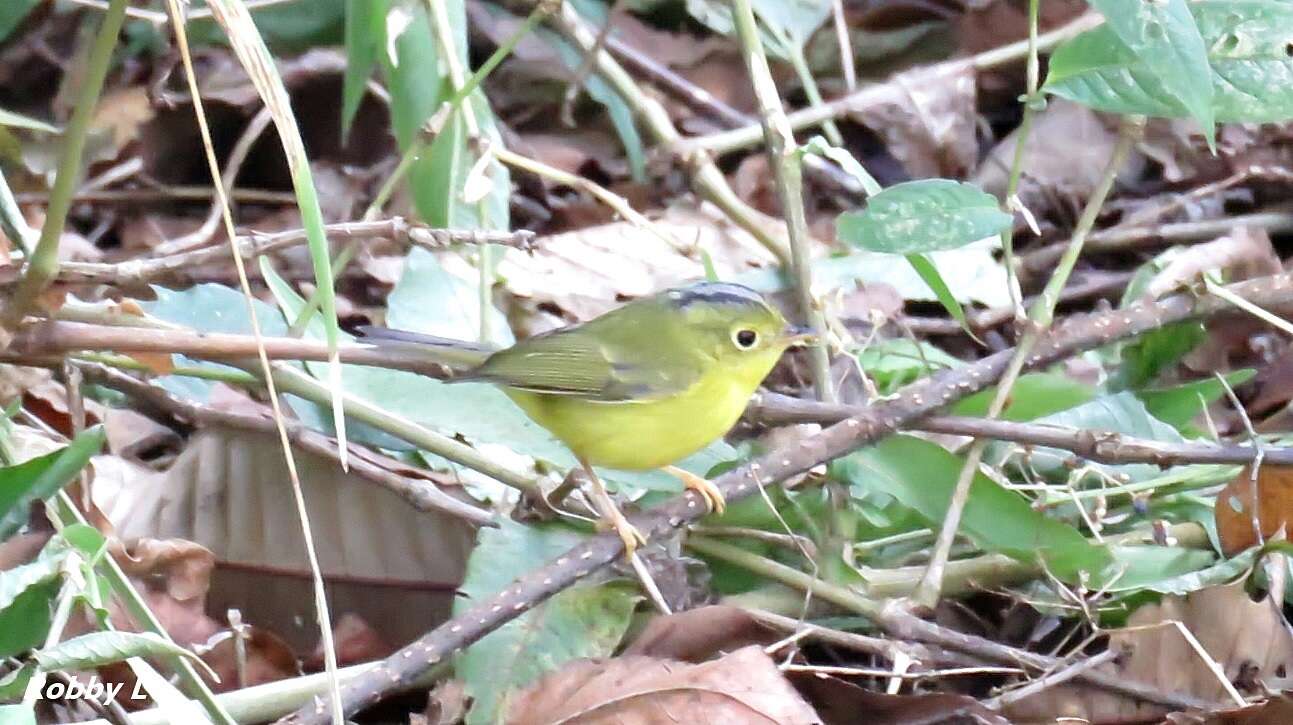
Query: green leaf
[[208, 308], [1163, 35], [1118, 413], [25, 622], [1156, 351], [1136, 568], [1246, 44], [784, 25], [418, 87], [289, 28], [101, 648], [896, 362], [365, 37], [14, 685], [14, 582], [924, 267], [585, 621], [426, 285], [923, 216], [1179, 405], [42, 477], [12, 13], [1034, 395], [923, 475]]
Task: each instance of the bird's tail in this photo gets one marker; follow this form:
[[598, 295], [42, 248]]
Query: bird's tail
[[458, 354]]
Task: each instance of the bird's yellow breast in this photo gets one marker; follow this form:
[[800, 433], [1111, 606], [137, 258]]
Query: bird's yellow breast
[[642, 435]]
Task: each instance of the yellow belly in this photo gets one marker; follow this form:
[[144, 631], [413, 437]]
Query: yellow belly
[[638, 436]]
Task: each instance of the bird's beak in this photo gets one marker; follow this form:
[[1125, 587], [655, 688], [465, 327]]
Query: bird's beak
[[795, 335]]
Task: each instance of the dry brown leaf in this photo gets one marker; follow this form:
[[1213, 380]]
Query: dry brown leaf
[[133, 436], [1276, 711], [447, 703], [266, 658], [931, 130], [699, 634], [1248, 639], [120, 114], [1056, 172], [743, 687], [1237, 525], [355, 641], [587, 272], [1243, 254], [839, 703]]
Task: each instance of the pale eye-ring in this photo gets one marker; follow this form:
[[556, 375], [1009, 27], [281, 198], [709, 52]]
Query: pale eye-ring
[[745, 338]]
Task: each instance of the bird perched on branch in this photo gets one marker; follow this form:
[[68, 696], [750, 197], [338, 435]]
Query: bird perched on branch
[[642, 386]]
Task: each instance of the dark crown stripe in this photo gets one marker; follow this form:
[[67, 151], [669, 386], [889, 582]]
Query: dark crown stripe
[[724, 293]]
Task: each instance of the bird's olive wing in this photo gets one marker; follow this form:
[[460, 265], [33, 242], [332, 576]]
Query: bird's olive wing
[[581, 363]]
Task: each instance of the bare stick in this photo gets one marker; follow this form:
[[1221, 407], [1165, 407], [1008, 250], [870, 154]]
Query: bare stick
[[254, 244], [1092, 445]]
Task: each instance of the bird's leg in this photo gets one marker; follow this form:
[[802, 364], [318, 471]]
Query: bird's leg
[[713, 497], [611, 515]]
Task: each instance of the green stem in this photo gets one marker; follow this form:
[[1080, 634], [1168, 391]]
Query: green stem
[[1031, 103], [12, 222], [800, 64], [42, 265], [786, 163]]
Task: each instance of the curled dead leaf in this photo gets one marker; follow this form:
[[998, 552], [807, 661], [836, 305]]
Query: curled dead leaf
[[1242, 509], [743, 687], [697, 635]]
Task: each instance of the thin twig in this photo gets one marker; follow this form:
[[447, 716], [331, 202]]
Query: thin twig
[[1093, 445], [706, 178], [1080, 332], [1053, 679], [233, 164], [891, 91], [254, 244]]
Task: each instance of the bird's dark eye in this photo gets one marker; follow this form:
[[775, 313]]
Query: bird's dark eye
[[745, 339]]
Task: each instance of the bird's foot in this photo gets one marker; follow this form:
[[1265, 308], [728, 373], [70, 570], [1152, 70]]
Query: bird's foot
[[708, 492], [629, 533]]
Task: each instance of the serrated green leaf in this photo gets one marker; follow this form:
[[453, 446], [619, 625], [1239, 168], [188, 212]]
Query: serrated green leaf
[[1246, 44], [586, 621], [365, 38], [101, 648], [922, 475], [1163, 35], [42, 477], [923, 216]]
